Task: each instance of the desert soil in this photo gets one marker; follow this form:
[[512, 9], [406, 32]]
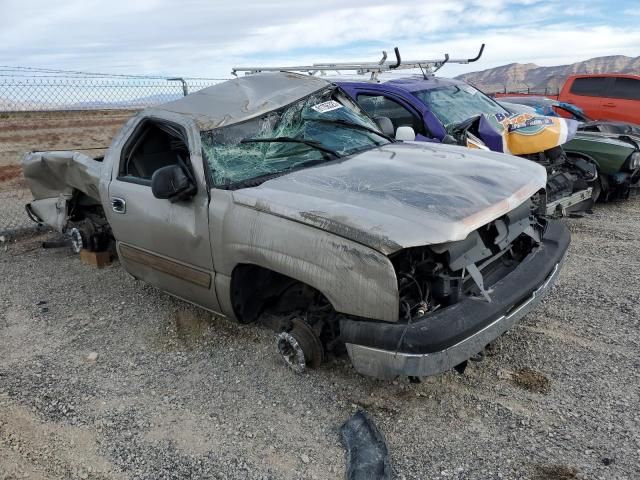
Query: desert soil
[[103, 377], [85, 131]]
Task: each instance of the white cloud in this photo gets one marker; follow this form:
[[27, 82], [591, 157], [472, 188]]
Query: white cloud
[[207, 38]]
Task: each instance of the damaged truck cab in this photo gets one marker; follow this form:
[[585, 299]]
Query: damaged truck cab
[[275, 198]]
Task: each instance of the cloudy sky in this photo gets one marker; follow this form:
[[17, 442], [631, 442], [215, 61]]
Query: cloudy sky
[[208, 37]]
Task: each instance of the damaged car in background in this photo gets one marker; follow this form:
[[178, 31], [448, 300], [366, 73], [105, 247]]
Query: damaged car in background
[[274, 198], [614, 147], [555, 108]]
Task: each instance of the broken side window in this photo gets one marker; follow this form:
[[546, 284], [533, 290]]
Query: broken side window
[[321, 127]]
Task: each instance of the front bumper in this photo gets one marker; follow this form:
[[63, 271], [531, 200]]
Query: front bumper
[[446, 338]]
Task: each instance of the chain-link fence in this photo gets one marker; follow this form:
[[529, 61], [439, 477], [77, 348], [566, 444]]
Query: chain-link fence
[[543, 91], [54, 110], [44, 94]]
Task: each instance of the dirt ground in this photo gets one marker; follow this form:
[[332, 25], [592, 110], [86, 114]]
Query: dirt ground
[[103, 377], [85, 131], [11, 179]]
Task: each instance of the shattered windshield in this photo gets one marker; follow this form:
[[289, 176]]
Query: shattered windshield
[[321, 127], [456, 103]]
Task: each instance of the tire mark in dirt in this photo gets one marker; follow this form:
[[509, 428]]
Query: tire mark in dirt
[[53, 451]]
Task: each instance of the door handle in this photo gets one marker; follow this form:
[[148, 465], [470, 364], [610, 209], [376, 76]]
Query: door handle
[[609, 104], [118, 205]]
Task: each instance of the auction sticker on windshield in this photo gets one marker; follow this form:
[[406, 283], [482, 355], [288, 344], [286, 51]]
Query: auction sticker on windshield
[[327, 106]]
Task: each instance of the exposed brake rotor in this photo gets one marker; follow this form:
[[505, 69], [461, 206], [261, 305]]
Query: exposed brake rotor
[[300, 347]]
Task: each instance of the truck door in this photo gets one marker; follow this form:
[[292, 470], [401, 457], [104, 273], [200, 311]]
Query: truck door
[[588, 93], [163, 243], [623, 100]]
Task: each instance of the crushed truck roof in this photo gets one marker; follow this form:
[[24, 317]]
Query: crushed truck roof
[[243, 98]]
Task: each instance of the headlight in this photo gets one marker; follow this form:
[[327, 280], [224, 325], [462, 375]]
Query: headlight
[[634, 161]]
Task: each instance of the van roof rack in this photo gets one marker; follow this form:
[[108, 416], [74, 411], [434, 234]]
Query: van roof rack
[[428, 67]]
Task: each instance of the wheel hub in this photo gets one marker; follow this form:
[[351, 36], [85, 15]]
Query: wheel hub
[[77, 243], [291, 352], [300, 347]]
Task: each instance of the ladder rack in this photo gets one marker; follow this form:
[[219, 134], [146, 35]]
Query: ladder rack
[[428, 67]]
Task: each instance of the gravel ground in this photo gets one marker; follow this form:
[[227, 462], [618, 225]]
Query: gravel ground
[[103, 377]]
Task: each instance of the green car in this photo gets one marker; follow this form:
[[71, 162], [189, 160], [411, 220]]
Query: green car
[[617, 157]]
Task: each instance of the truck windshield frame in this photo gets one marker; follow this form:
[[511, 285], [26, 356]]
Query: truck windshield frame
[[240, 153]]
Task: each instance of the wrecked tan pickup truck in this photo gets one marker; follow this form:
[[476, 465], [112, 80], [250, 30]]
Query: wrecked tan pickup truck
[[274, 198]]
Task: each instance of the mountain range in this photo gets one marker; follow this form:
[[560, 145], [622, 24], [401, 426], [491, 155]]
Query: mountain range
[[518, 77]]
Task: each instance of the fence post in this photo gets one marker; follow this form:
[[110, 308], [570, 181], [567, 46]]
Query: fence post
[[185, 88]]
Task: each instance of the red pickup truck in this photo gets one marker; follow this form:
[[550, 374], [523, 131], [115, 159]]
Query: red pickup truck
[[610, 96]]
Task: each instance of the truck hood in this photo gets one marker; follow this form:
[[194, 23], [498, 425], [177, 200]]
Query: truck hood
[[401, 195]]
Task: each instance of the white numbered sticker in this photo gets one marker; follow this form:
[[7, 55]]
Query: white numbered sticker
[[327, 106]]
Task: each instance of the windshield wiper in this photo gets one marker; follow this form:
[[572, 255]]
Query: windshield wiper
[[309, 143], [355, 126]]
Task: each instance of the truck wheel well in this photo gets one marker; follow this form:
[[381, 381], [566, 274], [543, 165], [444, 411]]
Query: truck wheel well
[[255, 289]]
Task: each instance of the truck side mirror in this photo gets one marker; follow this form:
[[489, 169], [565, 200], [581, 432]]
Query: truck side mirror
[[406, 134], [172, 183]]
